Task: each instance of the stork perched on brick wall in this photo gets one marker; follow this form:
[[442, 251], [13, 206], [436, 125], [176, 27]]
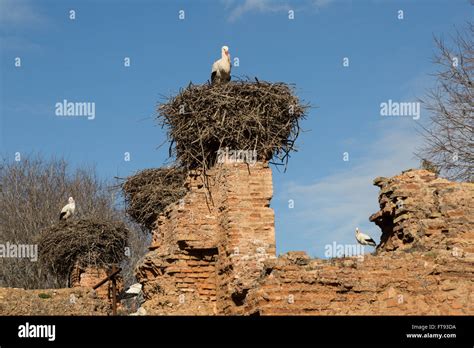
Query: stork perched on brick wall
[[364, 239], [221, 68]]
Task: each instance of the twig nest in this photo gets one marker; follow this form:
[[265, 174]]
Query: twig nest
[[87, 242], [261, 117], [148, 192]]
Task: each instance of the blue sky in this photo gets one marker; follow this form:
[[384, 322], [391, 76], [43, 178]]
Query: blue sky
[[82, 60]]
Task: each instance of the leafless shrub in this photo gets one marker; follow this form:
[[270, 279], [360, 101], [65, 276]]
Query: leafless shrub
[[449, 139], [32, 193]]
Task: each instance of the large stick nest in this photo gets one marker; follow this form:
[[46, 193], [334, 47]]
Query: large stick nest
[[148, 192], [87, 242], [240, 116]]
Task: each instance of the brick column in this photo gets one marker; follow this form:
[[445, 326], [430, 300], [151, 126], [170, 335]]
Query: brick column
[[247, 231]]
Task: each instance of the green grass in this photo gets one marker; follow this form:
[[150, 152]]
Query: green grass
[[43, 295]]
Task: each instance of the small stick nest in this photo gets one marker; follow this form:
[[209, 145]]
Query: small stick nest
[[87, 242], [148, 192], [240, 116]]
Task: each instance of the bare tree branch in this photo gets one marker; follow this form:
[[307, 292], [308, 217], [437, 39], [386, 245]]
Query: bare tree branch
[[449, 139]]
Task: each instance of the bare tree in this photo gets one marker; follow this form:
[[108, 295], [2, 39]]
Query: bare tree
[[32, 193], [449, 139]]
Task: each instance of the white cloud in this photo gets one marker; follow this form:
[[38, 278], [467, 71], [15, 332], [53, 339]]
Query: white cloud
[[268, 6], [15, 15], [19, 13], [261, 6], [322, 3], [330, 208]]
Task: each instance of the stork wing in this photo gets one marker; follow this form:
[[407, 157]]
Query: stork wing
[[65, 208], [215, 67], [364, 236], [367, 238]]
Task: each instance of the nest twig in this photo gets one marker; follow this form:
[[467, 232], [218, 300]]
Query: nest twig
[[241, 116], [148, 192], [87, 242]]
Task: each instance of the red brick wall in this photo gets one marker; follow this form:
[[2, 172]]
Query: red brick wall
[[398, 283], [247, 235], [179, 275], [214, 253], [197, 239], [421, 211], [424, 264], [88, 277]]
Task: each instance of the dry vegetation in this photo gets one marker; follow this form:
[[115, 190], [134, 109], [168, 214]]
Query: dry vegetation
[[87, 242], [148, 192], [202, 119], [449, 141], [32, 193], [240, 115]]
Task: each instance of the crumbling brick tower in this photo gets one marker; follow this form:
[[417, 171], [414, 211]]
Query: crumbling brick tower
[[209, 248], [213, 251]]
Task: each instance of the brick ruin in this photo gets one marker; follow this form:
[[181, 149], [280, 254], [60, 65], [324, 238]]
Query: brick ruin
[[88, 277], [419, 211], [77, 299], [213, 253], [209, 248]]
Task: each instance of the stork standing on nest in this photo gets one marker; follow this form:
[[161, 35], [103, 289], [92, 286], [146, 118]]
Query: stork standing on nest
[[68, 210], [221, 68]]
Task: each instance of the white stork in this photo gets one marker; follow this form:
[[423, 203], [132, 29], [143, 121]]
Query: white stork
[[221, 68], [68, 210], [364, 239], [132, 291]]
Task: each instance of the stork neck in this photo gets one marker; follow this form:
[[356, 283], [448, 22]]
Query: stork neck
[[225, 57]]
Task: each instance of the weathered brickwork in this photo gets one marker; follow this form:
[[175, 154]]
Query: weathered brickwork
[[208, 248], [88, 277], [397, 283], [419, 211], [214, 253]]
